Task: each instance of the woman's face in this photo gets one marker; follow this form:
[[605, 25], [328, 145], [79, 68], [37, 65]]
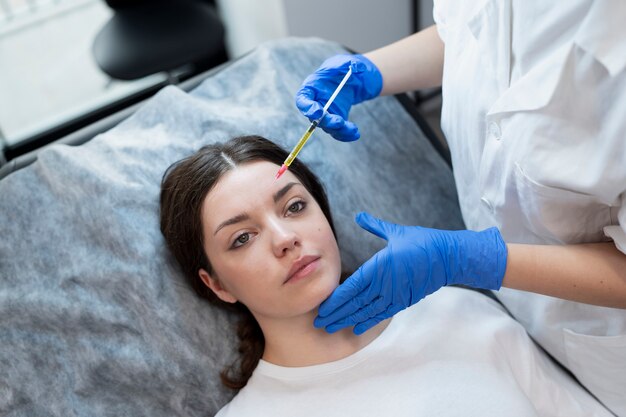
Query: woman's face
[[269, 244]]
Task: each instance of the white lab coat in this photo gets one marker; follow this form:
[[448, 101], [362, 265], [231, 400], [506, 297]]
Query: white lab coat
[[534, 110]]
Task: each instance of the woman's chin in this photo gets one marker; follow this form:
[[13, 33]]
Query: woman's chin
[[324, 293]]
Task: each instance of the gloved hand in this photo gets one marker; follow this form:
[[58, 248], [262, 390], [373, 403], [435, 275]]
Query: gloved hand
[[416, 262], [365, 83]]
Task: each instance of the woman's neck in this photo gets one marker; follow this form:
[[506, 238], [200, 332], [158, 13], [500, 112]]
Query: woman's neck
[[295, 342]]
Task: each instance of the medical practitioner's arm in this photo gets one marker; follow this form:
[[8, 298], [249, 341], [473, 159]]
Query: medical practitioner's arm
[[412, 63], [418, 261], [593, 273]]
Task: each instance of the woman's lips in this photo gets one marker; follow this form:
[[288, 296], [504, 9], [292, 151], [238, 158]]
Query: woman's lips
[[303, 268]]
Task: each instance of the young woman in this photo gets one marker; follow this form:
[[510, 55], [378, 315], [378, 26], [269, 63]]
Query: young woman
[[266, 249]]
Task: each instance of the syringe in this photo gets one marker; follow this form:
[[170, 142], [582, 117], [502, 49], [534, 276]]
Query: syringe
[[309, 131]]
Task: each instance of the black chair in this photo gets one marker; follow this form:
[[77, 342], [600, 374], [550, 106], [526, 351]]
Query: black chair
[[148, 36]]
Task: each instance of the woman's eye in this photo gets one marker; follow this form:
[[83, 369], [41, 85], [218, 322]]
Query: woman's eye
[[296, 207], [242, 239]]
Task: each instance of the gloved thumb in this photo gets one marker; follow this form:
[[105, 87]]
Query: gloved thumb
[[374, 225]]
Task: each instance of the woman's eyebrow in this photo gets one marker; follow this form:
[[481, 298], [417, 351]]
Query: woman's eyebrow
[[280, 193], [238, 218]]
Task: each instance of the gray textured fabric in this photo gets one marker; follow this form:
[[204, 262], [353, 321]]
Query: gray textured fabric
[[95, 317]]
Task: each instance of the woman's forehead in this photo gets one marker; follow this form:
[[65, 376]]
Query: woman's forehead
[[246, 185]]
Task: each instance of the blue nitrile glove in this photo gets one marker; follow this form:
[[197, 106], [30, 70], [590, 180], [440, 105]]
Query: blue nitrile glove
[[365, 83], [416, 262]]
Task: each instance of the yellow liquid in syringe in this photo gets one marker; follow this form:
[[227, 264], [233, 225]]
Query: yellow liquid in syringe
[[300, 144]]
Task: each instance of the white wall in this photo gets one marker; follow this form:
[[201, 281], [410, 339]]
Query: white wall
[[250, 22], [361, 25]]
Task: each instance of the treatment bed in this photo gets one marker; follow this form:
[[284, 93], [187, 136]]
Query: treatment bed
[[96, 318]]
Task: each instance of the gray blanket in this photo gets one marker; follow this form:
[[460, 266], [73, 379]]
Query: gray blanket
[[95, 316]]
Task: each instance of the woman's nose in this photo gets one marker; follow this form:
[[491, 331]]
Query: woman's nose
[[284, 238]]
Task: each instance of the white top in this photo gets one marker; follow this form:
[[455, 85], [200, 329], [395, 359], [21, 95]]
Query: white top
[[534, 110], [455, 353]]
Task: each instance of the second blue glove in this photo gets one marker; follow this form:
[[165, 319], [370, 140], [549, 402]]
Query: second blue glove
[[416, 262]]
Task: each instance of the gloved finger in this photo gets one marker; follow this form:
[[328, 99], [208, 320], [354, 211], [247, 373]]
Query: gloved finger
[[339, 128], [348, 133], [362, 327], [308, 106], [336, 64], [360, 289], [374, 225], [349, 293], [347, 309], [332, 121], [357, 66], [377, 299], [373, 309]]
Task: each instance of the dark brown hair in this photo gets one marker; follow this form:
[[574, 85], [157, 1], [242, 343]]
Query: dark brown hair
[[184, 187]]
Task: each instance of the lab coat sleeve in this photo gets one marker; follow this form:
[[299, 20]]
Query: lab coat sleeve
[[439, 17], [618, 232], [617, 184]]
